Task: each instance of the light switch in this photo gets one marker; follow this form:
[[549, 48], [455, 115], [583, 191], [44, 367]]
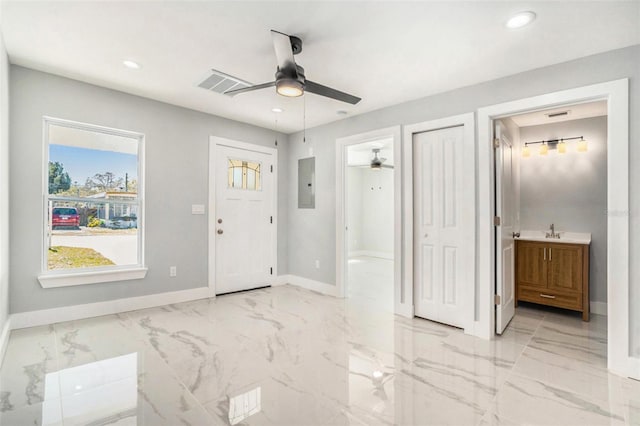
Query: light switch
[[197, 209]]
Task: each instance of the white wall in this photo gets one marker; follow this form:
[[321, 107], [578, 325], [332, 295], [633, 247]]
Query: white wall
[[4, 188], [377, 210], [312, 232], [176, 146], [570, 190], [370, 212]]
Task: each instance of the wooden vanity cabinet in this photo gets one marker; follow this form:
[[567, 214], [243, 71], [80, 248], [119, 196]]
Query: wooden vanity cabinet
[[554, 274]]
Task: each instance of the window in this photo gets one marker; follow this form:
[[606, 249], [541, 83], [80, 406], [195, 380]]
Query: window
[[244, 175], [93, 204]]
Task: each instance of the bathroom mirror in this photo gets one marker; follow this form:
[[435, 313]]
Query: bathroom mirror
[[307, 183]]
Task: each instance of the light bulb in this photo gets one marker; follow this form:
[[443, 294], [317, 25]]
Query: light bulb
[[520, 20], [290, 88], [582, 145], [544, 149], [526, 152], [562, 147]]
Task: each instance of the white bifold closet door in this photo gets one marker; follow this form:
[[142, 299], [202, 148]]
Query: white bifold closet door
[[441, 258]]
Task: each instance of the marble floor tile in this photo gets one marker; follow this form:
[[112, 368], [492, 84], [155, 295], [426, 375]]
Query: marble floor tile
[[529, 401], [288, 356], [30, 355]]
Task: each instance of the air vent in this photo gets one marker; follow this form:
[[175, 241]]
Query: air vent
[[220, 82], [557, 114]]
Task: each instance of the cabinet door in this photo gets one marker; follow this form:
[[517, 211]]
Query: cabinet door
[[532, 264], [565, 261]]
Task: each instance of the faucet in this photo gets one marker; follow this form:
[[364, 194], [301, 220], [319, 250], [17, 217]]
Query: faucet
[[553, 233]]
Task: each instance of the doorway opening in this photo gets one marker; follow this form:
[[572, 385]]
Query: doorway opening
[[369, 190], [369, 222], [550, 179], [616, 95]]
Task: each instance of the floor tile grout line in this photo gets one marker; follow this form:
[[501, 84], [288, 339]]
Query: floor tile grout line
[[521, 375], [512, 369], [58, 369]]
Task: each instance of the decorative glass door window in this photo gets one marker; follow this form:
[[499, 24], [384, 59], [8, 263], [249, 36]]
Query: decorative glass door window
[[244, 174]]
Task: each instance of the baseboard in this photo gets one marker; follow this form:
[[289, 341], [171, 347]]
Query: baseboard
[[320, 287], [76, 312], [598, 308], [370, 253], [4, 338], [405, 310], [634, 368]]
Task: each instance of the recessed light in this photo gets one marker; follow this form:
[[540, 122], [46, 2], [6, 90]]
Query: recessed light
[[131, 64], [521, 19], [277, 110]]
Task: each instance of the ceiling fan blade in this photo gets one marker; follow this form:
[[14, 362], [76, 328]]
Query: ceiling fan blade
[[284, 53], [386, 166], [250, 89], [321, 90]]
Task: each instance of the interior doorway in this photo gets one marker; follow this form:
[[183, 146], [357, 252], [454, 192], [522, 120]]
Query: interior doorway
[[368, 219], [551, 198], [370, 223], [616, 95]]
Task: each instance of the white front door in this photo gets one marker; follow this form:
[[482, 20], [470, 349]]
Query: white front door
[[244, 230], [506, 211], [441, 257]]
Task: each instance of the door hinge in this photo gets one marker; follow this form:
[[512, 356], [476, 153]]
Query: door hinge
[[496, 299], [271, 168], [270, 219], [496, 143], [496, 221], [271, 270]]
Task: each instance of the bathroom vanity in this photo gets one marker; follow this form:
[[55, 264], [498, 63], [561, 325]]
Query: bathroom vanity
[[553, 271]]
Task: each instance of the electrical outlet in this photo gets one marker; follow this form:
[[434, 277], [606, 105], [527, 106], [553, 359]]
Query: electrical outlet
[[173, 271], [317, 264]]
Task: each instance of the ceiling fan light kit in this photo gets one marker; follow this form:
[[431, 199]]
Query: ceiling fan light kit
[[289, 88], [290, 80]]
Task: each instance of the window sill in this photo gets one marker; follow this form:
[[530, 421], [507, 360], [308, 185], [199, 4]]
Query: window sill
[[93, 277]]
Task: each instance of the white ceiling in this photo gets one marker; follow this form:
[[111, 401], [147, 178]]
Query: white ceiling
[[386, 52], [575, 112], [362, 153]]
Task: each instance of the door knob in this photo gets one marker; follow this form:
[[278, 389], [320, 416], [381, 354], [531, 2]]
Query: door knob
[[220, 231]]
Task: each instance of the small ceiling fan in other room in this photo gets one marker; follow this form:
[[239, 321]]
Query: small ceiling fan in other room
[[377, 162], [290, 80]]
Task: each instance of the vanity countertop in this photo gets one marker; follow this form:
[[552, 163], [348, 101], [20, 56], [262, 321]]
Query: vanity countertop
[[565, 237]]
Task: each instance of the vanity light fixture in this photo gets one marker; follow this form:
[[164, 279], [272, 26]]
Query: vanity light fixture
[[559, 144], [582, 145], [544, 149], [562, 147]]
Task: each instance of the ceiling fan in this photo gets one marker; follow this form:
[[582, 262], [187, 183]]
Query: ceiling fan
[[290, 80], [377, 162]]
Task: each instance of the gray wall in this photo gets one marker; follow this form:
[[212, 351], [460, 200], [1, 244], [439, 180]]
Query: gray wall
[[569, 190], [4, 186], [176, 176], [312, 232]]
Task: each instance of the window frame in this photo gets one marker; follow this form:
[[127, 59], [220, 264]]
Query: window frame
[[92, 275]]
